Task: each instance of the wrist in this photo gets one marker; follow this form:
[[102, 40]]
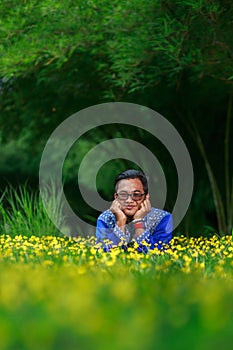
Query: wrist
[[138, 224], [137, 220]]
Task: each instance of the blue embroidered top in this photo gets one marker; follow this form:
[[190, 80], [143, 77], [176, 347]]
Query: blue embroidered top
[[157, 224]]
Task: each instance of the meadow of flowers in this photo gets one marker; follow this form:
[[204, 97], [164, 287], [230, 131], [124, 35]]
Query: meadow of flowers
[[63, 293]]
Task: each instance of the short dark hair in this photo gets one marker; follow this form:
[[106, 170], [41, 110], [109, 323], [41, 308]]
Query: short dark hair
[[132, 174]]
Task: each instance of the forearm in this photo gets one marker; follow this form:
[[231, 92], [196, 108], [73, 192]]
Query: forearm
[[121, 225]]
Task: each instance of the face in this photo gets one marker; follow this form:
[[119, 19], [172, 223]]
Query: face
[[130, 206]]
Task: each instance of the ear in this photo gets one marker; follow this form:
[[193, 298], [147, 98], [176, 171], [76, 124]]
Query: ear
[[115, 196], [147, 196]]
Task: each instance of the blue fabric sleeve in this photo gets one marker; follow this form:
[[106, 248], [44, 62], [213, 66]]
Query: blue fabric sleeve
[[163, 231], [101, 227], [103, 231]]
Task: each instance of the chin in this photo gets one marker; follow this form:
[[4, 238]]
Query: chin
[[129, 212]]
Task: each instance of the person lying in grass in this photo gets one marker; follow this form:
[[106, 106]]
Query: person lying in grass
[[131, 217]]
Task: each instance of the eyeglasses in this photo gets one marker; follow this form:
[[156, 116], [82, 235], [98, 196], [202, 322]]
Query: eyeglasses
[[123, 196]]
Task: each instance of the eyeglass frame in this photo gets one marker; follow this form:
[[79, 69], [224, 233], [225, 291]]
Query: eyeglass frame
[[131, 195]]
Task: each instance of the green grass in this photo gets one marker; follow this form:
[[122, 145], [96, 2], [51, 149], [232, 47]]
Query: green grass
[[61, 293], [22, 212]]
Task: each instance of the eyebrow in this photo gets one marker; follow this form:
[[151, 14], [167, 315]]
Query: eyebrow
[[123, 191]]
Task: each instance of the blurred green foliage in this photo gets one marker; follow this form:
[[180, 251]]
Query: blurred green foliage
[[58, 57]]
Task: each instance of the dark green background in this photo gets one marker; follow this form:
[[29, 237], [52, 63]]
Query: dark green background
[[58, 57]]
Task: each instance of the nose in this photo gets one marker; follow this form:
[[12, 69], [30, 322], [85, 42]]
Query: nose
[[129, 199]]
